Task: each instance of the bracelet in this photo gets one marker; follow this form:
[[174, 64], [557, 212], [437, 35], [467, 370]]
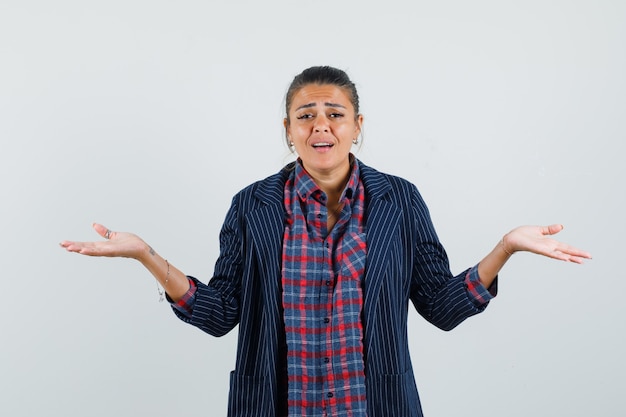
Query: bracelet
[[504, 247], [167, 277]]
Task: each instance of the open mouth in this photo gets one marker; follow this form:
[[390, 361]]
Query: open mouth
[[322, 145]]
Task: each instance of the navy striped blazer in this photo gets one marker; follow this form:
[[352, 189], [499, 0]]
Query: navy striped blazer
[[405, 261]]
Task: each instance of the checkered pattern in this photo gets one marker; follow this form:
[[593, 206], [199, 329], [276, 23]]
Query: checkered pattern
[[322, 299]]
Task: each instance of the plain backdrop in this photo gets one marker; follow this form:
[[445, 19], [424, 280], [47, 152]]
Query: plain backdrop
[[148, 116]]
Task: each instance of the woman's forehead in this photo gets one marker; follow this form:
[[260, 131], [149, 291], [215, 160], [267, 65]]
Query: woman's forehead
[[325, 93]]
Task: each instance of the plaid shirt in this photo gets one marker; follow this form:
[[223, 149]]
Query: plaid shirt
[[322, 299]]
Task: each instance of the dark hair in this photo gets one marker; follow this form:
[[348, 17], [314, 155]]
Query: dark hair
[[323, 75]]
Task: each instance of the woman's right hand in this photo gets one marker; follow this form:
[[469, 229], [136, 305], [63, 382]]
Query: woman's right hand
[[117, 244]]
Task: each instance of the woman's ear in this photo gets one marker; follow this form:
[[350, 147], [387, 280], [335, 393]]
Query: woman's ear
[[359, 122]]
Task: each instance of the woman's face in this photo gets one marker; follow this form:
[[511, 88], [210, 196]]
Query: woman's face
[[322, 126]]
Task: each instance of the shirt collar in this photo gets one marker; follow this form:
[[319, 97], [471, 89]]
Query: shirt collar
[[306, 187]]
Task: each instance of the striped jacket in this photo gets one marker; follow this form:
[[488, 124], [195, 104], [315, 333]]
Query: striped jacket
[[405, 261]]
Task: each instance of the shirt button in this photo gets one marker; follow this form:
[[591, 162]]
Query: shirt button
[[326, 320], [330, 395], [328, 283], [319, 215], [326, 360]]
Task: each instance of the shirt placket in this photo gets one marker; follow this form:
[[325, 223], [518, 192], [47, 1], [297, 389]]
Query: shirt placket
[[324, 314], [327, 319], [330, 284]]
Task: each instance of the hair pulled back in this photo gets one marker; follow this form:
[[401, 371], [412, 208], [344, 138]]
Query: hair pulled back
[[322, 75]]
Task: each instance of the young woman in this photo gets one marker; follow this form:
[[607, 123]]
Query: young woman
[[317, 266]]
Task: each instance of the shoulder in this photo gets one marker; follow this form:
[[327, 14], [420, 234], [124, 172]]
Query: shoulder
[[379, 184], [267, 190], [396, 191]]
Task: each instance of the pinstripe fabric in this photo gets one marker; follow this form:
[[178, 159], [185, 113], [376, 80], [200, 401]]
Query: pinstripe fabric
[[405, 262]]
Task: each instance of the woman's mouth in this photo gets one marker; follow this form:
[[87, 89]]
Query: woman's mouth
[[321, 145]]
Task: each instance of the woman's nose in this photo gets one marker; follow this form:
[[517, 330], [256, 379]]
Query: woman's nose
[[321, 123]]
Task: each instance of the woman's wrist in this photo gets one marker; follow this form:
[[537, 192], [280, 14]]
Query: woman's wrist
[[146, 254], [505, 245]]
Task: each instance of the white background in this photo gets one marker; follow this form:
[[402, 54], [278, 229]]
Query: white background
[[147, 116]]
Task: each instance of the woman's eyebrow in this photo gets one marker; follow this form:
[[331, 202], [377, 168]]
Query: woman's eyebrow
[[327, 104]]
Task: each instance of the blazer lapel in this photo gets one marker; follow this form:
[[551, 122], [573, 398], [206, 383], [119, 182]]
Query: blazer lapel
[[266, 226], [382, 219]]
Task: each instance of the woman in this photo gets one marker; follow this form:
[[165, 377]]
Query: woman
[[317, 265]]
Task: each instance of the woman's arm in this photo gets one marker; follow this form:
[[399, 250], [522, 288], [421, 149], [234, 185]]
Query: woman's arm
[[535, 239], [128, 245]]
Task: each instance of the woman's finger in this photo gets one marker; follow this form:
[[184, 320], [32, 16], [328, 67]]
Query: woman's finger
[[552, 229], [103, 231]]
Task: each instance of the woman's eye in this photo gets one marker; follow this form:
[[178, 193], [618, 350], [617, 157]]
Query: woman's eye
[[336, 115], [304, 116]]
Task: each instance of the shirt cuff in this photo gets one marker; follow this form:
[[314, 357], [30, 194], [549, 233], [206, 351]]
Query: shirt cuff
[[477, 291], [186, 303]]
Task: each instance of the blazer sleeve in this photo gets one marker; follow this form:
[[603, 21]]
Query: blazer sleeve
[[440, 297], [216, 307]]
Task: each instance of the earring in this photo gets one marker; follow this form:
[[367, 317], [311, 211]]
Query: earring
[[355, 141], [291, 144]]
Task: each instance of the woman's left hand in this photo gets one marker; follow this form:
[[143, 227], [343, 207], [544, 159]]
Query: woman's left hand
[[537, 239]]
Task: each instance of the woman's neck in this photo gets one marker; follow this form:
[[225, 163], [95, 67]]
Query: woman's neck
[[333, 182]]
